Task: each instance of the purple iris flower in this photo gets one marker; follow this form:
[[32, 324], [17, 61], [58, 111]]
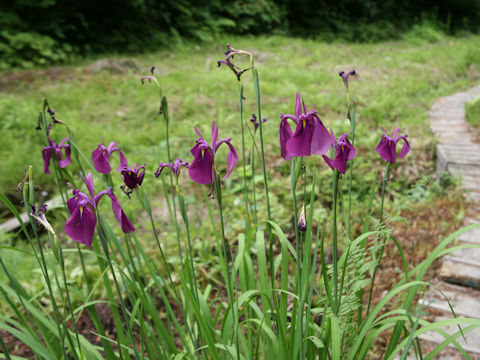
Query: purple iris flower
[[57, 150], [345, 76], [229, 54], [201, 170], [80, 226], [174, 166], [132, 178], [255, 122], [101, 157], [310, 135], [344, 151], [386, 147]]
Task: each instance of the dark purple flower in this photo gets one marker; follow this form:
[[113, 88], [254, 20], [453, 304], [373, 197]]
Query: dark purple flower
[[255, 122], [174, 166], [346, 76], [310, 135], [133, 178], [386, 147], [201, 169], [344, 151], [80, 226], [229, 54], [101, 157], [57, 150]]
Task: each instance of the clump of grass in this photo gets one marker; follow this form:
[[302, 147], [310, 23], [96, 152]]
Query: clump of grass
[[271, 289], [472, 110]]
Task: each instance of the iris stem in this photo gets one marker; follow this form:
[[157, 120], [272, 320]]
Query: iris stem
[[226, 256], [334, 245], [384, 185], [29, 198], [104, 242], [245, 196]]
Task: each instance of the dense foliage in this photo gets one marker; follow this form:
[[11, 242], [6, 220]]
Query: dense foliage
[[52, 31]]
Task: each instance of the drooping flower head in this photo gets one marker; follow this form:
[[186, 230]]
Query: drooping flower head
[[310, 134], [63, 160], [344, 151], [345, 77], [39, 216], [101, 158], [229, 55], [80, 226], [255, 122], [132, 178], [174, 166], [150, 78], [386, 148], [201, 169]]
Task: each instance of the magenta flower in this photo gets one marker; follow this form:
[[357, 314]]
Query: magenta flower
[[255, 122], [80, 226], [101, 158], [310, 135], [175, 167], [57, 150], [132, 178], [201, 170], [345, 76], [344, 151], [386, 148]]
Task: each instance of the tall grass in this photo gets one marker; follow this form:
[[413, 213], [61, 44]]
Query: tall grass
[[279, 293]]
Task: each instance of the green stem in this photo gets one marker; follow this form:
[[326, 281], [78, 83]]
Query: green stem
[[29, 198], [244, 160], [264, 168], [104, 243], [226, 256], [351, 116], [334, 245], [384, 184]]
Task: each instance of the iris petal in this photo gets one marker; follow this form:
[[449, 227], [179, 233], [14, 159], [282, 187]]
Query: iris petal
[[81, 225], [201, 169]]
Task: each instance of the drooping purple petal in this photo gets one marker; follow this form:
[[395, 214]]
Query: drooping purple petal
[[405, 147], [80, 226], [46, 152], [300, 144], [322, 140], [285, 134], [100, 159], [122, 218], [232, 156], [384, 150], [201, 169], [63, 162], [344, 151]]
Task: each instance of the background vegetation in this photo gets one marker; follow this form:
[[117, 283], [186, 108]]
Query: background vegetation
[[53, 31]]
